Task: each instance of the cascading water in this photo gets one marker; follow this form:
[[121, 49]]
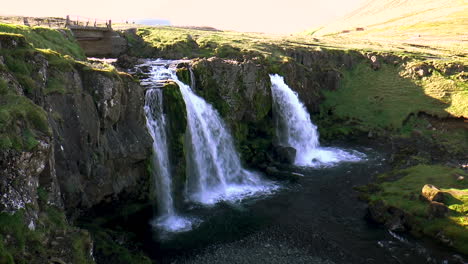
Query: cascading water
[[167, 218], [214, 171], [294, 128]]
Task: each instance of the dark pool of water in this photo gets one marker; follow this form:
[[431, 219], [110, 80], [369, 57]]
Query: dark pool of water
[[316, 220]]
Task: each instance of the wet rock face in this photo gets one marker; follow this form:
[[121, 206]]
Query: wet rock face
[[241, 92], [312, 72], [101, 142], [285, 154], [99, 146]]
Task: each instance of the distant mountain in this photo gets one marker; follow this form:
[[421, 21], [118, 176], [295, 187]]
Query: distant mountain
[[404, 19], [153, 22]]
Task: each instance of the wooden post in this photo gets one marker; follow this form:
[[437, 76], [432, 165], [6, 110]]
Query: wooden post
[[26, 22]]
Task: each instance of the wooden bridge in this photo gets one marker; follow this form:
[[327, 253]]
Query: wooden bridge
[[97, 40]]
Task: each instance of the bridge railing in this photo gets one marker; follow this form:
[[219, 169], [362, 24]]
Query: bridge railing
[[88, 22], [71, 22]]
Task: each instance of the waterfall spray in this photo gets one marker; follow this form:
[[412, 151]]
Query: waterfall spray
[[294, 128]]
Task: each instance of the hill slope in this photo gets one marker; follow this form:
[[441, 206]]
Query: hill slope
[[406, 20]]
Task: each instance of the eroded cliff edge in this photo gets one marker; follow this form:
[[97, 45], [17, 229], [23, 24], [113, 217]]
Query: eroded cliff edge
[[72, 136]]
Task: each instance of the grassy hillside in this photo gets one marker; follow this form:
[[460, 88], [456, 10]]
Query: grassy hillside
[[405, 18], [61, 41], [429, 24]]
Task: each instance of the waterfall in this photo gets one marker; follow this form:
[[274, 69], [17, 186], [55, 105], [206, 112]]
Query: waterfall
[[168, 219], [294, 128], [192, 79], [214, 170]]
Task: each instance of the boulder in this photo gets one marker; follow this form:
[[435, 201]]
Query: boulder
[[422, 70], [126, 62], [285, 154], [431, 193], [437, 209]]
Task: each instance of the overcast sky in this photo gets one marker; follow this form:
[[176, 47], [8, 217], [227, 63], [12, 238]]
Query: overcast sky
[[272, 16]]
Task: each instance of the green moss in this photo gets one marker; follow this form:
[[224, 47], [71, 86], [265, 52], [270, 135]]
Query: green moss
[[29, 139], [18, 65], [19, 113], [228, 52], [5, 256], [108, 250], [55, 85], [184, 75], [14, 226], [80, 243], [116, 245], [402, 193], [27, 246], [175, 110]]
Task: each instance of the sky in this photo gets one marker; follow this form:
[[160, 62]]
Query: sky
[[271, 16]]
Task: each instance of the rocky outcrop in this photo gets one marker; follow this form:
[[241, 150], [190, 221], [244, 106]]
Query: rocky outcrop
[[87, 141], [309, 73], [285, 154], [241, 92], [175, 110], [72, 137], [431, 193], [22, 173], [100, 42], [101, 143]]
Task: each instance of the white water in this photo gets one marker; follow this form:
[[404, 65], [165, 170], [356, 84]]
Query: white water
[[168, 219], [294, 128], [214, 171]]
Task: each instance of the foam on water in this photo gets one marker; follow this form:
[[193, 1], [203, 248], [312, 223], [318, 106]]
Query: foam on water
[[214, 171], [294, 128]]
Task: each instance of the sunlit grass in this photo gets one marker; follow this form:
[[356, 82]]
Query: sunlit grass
[[46, 38], [404, 192]]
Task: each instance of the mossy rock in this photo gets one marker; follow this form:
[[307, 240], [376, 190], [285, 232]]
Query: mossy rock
[[400, 189], [20, 244], [12, 41], [176, 112]]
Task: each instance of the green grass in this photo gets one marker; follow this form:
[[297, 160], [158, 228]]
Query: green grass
[[25, 245], [21, 121], [18, 113], [403, 194], [381, 100], [174, 42], [449, 90], [46, 38]]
